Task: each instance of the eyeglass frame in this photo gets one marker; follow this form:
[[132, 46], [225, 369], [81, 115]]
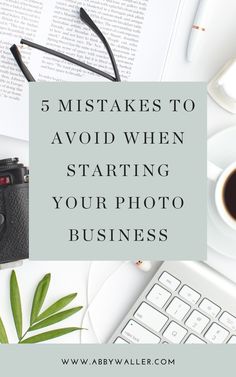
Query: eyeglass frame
[[89, 22]]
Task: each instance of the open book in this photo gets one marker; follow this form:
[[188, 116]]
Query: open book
[[140, 33]]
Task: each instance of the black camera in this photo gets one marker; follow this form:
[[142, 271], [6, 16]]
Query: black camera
[[14, 211]]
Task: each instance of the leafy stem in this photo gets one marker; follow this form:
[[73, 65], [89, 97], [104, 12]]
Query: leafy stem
[[26, 332], [38, 320]]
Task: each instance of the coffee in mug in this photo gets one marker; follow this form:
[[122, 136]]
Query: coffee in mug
[[229, 194], [225, 191]]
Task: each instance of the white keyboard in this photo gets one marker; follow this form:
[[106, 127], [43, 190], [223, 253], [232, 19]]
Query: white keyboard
[[185, 302]]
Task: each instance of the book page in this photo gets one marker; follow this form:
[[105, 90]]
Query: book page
[[159, 31], [139, 33], [120, 21], [18, 19]]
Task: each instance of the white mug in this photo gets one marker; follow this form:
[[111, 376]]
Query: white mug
[[220, 176], [222, 87]]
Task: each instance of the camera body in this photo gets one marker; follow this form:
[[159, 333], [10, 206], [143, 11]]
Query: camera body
[[14, 211]]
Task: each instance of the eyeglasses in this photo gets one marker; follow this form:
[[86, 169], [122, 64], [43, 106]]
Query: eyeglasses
[[89, 22]]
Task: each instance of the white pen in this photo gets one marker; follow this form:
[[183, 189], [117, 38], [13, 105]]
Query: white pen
[[198, 28]]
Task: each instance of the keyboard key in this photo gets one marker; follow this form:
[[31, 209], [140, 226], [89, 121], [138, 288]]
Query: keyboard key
[[151, 317], [178, 309], [120, 341], [216, 334], [193, 339], [138, 334], [158, 296], [189, 294], [169, 281], [209, 307], [232, 340], [175, 333], [197, 321], [228, 320]]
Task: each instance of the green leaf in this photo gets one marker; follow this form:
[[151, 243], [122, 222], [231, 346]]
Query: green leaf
[[49, 335], [39, 297], [3, 334], [16, 304], [57, 306], [55, 318]]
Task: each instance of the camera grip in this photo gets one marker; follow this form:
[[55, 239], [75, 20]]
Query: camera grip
[[14, 232]]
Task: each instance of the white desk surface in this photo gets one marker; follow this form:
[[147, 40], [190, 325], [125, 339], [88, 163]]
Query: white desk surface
[[216, 48]]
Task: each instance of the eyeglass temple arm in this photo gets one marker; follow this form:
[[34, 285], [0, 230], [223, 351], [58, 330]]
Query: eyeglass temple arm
[[89, 22], [23, 67], [16, 53]]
